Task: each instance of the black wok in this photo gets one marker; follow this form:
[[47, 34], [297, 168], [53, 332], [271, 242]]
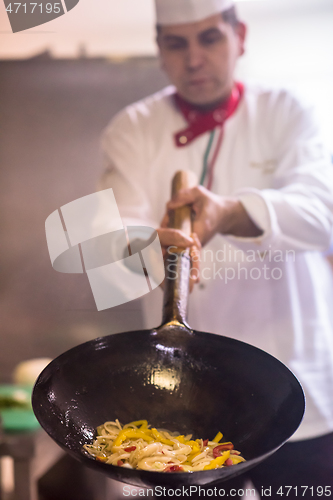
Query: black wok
[[176, 378]]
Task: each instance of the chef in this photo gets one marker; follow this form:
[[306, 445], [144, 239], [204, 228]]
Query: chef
[[263, 214]]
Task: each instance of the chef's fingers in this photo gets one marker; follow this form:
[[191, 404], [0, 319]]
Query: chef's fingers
[[196, 240], [174, 237], [186, 197]]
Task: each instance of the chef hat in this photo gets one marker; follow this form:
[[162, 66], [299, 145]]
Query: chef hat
[[188, 11]]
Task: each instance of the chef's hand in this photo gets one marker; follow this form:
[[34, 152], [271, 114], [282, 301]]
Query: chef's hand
[[215, 214], [176, 238]]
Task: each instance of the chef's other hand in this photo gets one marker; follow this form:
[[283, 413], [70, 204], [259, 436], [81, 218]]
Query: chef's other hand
[[174, 237], [215, 214]]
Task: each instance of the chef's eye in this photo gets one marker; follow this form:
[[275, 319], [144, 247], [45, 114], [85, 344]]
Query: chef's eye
[[174, 43], [211, 37]]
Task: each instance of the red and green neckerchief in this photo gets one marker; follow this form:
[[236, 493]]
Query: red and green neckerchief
[[201, 122]]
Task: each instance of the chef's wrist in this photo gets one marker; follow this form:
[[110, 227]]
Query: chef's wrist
[[236, 221]]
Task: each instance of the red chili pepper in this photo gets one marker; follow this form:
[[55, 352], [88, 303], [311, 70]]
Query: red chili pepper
[[217, 451], [120, 463], [205, 442], [173, 468], [228, 462], [130, 448]]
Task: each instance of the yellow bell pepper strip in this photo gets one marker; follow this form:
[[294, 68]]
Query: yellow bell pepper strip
[[158, 436], [217, 462], [180, 438], [196, 450], [137, 423], [236, 460], [218, 437], [132, 434], [194, 445]]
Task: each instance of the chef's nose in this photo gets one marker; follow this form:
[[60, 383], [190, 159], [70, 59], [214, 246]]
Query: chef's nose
[[195, 56]]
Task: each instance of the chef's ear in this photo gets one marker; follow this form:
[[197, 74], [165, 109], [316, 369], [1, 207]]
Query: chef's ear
[[158, 36], [158, 43], [241, 31]]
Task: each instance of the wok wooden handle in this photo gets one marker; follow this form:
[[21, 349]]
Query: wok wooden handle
[[181, 217], [177, 271]]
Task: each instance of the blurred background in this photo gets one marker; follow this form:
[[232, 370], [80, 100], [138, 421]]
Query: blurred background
[[60, 84]]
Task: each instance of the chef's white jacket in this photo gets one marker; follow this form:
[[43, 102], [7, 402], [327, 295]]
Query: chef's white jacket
[[274, 291]]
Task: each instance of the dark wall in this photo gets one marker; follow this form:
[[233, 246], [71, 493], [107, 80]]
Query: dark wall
[[52, 115]]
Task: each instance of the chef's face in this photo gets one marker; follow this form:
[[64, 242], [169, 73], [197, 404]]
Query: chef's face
[[199, 58]]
